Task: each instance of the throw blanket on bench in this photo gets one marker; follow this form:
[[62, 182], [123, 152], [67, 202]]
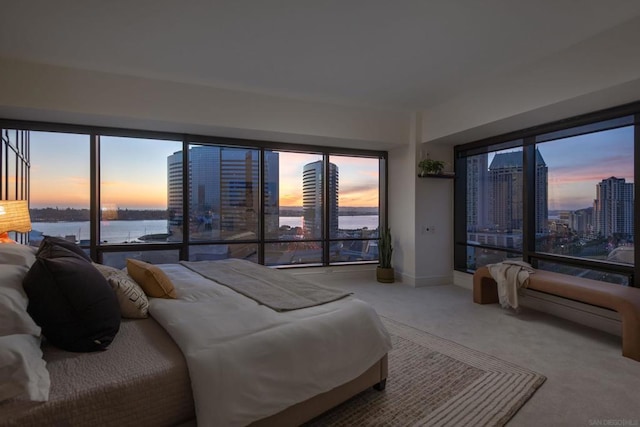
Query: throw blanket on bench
[[510, 276], [266, 286]]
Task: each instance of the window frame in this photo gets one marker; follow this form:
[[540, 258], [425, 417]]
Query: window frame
[[94, 132], [602, 120]]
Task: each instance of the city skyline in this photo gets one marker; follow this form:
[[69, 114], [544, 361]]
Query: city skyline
[[135, 167], [60, 171]]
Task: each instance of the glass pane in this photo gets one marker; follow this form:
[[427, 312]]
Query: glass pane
[[223, 193], [354, 187], [479, 257], [618, 279], [353, 251], [248, 251], [133, 189], [295, 180], [590, 196], [59, 186], [494, 198], [119, 259], [289, 253]]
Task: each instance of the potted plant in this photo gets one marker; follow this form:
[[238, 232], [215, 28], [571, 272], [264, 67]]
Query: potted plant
[[384, 272], [430, 167]]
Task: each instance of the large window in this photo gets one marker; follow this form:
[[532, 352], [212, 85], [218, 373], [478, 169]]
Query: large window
[[14, 168], [163, 197], [60, 186], [560, 196], [134, 189]]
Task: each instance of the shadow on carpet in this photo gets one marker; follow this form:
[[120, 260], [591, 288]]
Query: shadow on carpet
[[436, 382]]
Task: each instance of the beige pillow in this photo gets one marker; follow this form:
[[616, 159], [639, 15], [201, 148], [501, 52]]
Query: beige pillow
[[131, 298], [151, 279]]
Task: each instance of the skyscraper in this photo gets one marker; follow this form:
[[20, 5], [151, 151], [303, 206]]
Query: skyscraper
[[613, 208], [312, 197], [477, 183], [506, 192], [223, 190]]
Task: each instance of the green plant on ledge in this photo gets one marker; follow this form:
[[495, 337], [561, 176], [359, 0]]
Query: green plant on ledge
[[430, 167]]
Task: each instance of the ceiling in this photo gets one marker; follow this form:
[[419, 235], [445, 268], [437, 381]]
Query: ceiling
[[403, 54]]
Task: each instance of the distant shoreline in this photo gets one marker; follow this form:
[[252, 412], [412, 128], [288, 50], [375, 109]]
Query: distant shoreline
[[124, 214]]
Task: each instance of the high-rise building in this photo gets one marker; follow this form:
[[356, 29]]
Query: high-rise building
[[223, 190], [477, 191], [506, 192], [613, 208], [581, 221], [312, 197]]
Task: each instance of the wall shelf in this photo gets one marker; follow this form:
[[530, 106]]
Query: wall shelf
[[445, 175]]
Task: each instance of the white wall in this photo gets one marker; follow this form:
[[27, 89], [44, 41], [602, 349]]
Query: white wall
[[402, 206], [600, 72], [32, 91]]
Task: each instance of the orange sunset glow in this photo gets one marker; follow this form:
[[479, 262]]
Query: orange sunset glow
[[134, 173]]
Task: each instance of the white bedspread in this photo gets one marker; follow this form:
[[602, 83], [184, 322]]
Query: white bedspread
[[248, 362]]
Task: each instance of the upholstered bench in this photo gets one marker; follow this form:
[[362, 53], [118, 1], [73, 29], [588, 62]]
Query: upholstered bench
[[624, 300]]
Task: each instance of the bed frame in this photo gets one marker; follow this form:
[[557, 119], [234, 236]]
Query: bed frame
[[375, 376]]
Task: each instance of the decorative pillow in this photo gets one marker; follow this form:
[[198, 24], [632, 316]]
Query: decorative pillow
[[22, 369], [53, 250], [151, 279], [14, 318], [72, 303], [131, 298], [16, 254], [48, 241]]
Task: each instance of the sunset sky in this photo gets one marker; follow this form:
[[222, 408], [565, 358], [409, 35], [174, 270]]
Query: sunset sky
[[577, 164], [134, 173]]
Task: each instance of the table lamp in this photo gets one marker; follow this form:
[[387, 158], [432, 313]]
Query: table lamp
[[14, 216]]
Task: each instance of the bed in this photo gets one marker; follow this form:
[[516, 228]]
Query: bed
[[216, 356]]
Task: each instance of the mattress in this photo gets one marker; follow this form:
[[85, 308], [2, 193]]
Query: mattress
[[140, 380]]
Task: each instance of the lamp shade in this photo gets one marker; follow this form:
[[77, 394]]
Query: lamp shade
[[14, 216]]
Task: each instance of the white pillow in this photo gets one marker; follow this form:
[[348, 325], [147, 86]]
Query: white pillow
[[22, 370], [17, 254], [133, 302], [14, 318]]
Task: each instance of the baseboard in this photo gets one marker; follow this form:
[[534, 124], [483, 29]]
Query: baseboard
[[584, 314], [418, 282]]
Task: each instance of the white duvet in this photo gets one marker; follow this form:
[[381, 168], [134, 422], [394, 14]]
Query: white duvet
[[247, 362]]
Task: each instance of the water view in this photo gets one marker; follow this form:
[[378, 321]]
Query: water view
[[132, 231]]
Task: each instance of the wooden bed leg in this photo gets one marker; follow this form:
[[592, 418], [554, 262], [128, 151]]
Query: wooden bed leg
[[381, 385]]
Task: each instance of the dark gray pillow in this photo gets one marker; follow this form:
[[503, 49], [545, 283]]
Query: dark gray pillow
[[54, 247], [73, 303]]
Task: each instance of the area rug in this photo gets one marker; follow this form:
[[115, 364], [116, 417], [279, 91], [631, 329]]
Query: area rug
[[436, 382]]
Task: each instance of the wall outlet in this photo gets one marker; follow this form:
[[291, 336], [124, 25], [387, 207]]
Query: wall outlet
[[428, 229]]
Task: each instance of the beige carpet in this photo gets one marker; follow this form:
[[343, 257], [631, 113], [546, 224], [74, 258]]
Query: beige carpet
[[435, 382]]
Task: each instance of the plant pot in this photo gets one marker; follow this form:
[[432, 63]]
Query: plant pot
[[385, 275]]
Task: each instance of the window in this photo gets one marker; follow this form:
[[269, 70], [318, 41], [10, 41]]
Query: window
[[590, 194], [60, 209], [294, 194], [560, 196], [14, 168], [166, 197], [134, 190], [354, 187]]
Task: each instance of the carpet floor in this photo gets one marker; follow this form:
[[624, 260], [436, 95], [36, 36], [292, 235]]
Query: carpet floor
[[436, 382]]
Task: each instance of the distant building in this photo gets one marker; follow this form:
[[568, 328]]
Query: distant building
[[477, 192], [506, 192], [312, 197], [223, 190], [613, 208], [581, 221]]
